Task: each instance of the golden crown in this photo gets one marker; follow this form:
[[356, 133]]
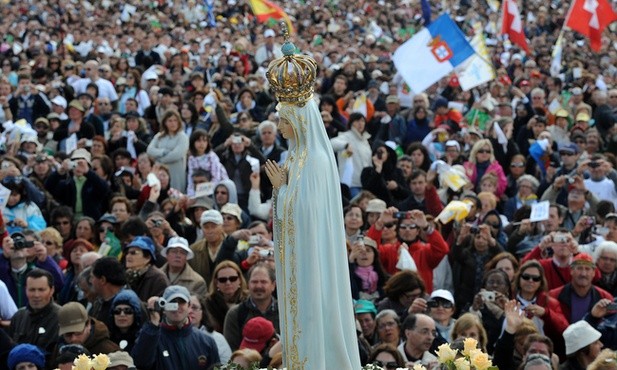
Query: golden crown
[[292, 77]]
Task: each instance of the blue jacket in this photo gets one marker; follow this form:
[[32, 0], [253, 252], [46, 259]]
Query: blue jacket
[[174, 349], [17, 287]]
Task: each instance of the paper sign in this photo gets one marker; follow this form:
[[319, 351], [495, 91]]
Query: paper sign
[[70, 143], [4, 196], [539, 211], [205, 189]]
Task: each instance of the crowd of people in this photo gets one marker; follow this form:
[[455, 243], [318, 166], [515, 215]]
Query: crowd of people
[[137, 215]]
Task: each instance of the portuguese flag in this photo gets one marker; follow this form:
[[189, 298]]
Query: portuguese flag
[[266, 12]]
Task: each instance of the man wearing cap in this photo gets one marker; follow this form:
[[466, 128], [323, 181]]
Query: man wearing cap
[[45, 138], [583, 345], [37, 322], [74, 184], [269, 50], [582, 122], [559, 131], [391, 125], [120, 360], [259, 334], [216, 246], [603, 178], [177, 270], [365, 315], [58, 105], [578, 297], [169, 340], [260, 303], [76, 327]]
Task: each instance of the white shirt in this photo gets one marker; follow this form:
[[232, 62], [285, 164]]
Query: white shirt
[[7, 305], [604, 189], [106, 88]]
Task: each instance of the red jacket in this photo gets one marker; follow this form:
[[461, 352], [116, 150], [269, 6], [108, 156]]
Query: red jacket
[[426, 255]]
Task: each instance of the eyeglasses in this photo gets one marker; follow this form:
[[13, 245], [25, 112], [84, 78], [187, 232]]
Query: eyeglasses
[[386, 365], [389, 224], [133, 252], [535, 278], [517, 165], [566, 154], [103, 103], [426, 331], [388, 324], [106, 229], [48, 242], [440, 302], [484, 151], [231, 279], [126, 311], [407, 227]]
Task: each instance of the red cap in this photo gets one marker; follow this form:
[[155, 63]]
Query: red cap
[[524, 83], [582, 259], [454, 81], [257, 333]]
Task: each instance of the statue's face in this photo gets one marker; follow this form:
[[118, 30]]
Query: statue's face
[[285, 128]]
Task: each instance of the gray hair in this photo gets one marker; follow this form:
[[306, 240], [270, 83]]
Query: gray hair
[[267, 123], [388, 313], [532, 180], [537, 359], [605, 246]]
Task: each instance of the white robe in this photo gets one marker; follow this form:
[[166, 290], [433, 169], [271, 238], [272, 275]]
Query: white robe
[[315, 306]]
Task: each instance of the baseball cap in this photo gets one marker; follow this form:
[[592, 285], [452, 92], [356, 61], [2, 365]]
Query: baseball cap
[[269, 33], [150, 75], [77, 105], [576, 91], [568, 147], [524, 83], [562, 113], [443, 294], [579, 335], [202, 202], [257, 333], [176, 291], [582, 259], [42, 120], [178, 242], [107, 217], [376, 206], [582, 117], [144, 243], [392, 99], [211, 215], [59, 100], [364, 306], [72, 318], [120, 358], [232, 209]]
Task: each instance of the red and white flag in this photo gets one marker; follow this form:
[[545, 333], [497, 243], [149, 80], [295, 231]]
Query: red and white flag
[[590, 18], [511, 24]]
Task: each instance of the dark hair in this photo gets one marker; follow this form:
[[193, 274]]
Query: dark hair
[[417, 173], [62, 212], [106, 165], [196, 135], [39, 273], [426, 163], [503, 274], [516, 284], [111, 269], [194, 115], [262, 265], [410, 321], [170, 113], [121, 152], [95, 87], [353, 118], [538, 338], [388, 348], [135, 226], [403, 282]]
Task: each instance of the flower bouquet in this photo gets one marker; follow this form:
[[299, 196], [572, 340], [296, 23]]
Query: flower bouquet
[[470, 358], [98, 362]]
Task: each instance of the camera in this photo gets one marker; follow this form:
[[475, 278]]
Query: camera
[[72, 165], [488, 295], [571, 180], [157, 223], [594, 164], [265, 253], [162, 305], [402, 215], [236, 139], [20, 242], [611, 306], [254, 239], [474, 230], [560, 238]]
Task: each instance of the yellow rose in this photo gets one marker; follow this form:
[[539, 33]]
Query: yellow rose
[[445, 353], [461, 363], [418, 367], [100, 362], [470, 344], [82, 363], [481, 361]]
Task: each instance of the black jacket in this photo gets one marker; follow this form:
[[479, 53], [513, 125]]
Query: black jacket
[[36, 327], [95, 194]]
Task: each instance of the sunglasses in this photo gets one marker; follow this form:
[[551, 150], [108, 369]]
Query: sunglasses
[[407, 227], [389, 224], [517, 165], [12, 180], [528, 277], [386, 365], [106, 229], [231, 279], [437, 303], [484, 151], [48, 242], [126, 311], [566, 154]]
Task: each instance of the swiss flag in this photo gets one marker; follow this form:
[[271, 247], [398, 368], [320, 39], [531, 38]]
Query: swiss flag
[[590, 18], [512, 25]]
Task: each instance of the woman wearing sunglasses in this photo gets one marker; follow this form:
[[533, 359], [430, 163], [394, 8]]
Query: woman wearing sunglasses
[[482, 161], [387, 357], [227, 288], [441, 308], [126, 319], [531, 290]]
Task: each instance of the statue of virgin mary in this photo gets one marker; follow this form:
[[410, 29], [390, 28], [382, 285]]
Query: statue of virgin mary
[[317, 322]]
